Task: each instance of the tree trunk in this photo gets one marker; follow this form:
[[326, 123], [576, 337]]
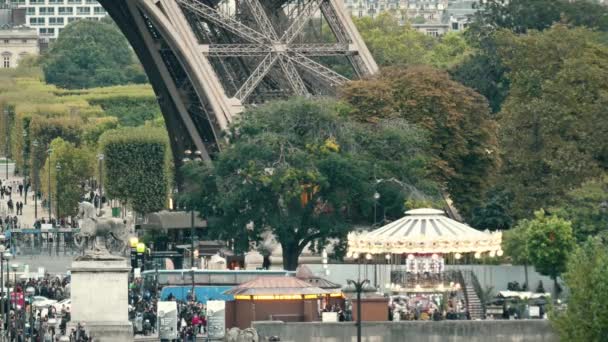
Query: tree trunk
[[290, 257], [526, 273]]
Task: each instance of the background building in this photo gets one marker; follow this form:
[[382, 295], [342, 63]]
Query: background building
[[16, 40], [49, 17]]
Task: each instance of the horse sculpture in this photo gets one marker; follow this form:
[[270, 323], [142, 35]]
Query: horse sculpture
[[98, 230]]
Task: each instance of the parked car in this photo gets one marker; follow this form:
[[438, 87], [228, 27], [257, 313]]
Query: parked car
[[42, 302], [64, 304]]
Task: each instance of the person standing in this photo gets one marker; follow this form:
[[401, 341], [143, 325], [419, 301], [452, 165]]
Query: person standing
[[20, 189]]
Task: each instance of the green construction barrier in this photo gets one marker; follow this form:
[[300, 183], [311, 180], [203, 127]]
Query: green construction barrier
[[116, 212]]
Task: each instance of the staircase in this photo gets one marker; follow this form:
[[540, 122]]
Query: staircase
[[474, 305]]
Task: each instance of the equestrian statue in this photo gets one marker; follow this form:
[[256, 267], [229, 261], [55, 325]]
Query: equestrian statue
[[102, 232]]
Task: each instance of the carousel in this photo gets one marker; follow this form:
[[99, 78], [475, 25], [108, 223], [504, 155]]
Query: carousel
[[415, 249]]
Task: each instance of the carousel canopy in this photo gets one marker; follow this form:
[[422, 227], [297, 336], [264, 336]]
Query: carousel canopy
[[424, 231]]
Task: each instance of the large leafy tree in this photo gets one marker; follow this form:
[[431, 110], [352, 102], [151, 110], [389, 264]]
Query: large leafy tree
[[550, 242], [484, 71], [394, 44], [587, 280], [304, 173], [136, 168], [91, 54], [515, 244], [587, 208], [463, 136], [553, 128], [69, 167]]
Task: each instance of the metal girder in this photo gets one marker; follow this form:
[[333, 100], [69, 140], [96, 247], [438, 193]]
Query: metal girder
[[298, 23], [223, 21], [232, 50], [319, 70], [295, 81], [261, 18], [320, 49], [256, 76]]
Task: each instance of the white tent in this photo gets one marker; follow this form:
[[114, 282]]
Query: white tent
[[425, 231]]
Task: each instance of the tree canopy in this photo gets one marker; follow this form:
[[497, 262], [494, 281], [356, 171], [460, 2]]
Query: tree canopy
[[553, 128], [305, 173], [464, 149], [90, 54], [550, 242], [136, 167], [587, 280]]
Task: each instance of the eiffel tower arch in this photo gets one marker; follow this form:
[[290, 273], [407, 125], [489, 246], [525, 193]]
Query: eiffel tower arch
[[208, 59]]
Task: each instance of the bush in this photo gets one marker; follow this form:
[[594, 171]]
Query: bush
[[136, 167]]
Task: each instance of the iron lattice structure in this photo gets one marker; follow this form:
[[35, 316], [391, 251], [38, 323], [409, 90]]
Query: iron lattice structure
[[208, 59]]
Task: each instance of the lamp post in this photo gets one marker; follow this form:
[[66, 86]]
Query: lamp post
[[35, 145], [25, 166], [6, 256], [58, 168], [6, 140], [358, 285], [187, 159], [2, 250], [100, 158], [14, 267], [49, 151], [30, 291]]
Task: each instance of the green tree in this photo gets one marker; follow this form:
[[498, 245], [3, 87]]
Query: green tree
[[484, 71], [136, 167], [90, 54], [69, 167], [516, 245], [553, 128], [550, 242], [587, 280], [463, 136], [394, 44], [301, 171], [587, 208]]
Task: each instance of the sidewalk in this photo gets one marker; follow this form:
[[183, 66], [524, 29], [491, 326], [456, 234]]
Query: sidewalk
[[27, 219]]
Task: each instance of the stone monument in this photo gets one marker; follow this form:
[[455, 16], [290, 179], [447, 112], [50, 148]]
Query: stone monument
[[100, 280]]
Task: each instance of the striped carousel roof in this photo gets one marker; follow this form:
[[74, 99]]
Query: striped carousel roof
[[425, 231]]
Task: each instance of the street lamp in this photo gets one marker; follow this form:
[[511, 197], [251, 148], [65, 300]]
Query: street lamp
[[35, 145], [14, 267], [25, 167], [188, 159], [100, 157], [58, 168], [358, 285], [6, 256], [49, 151], [30, 291], [6, 140], [2, 250]]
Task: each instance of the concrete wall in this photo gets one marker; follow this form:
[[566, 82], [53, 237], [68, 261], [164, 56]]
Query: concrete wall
[[495, 276], [445, 331]]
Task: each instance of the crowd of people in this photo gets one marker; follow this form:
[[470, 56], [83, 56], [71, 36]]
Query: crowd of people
[[426, 307], [12, 207], [48, 322]]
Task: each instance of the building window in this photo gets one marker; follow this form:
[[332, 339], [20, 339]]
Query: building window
[[36, 2], [98, 10], [83, 10], [6, 41], [56, 21], [56, 2], [6, 61], [75, 2], [66, 10], [46, 11], [37, 21], [24, 41], [31, 10]]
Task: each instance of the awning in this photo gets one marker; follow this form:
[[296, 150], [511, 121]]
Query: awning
[[165, 220], [425, 231]]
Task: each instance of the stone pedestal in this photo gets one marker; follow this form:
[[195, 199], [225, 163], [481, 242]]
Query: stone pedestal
[[99, 293]]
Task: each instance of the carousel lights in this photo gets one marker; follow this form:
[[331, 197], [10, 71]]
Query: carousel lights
[[499, 253], [355, 255], [410, 256], [477, 255], [492, 253], [368, 256], [387, 257], [457, 256], [435, 256]]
